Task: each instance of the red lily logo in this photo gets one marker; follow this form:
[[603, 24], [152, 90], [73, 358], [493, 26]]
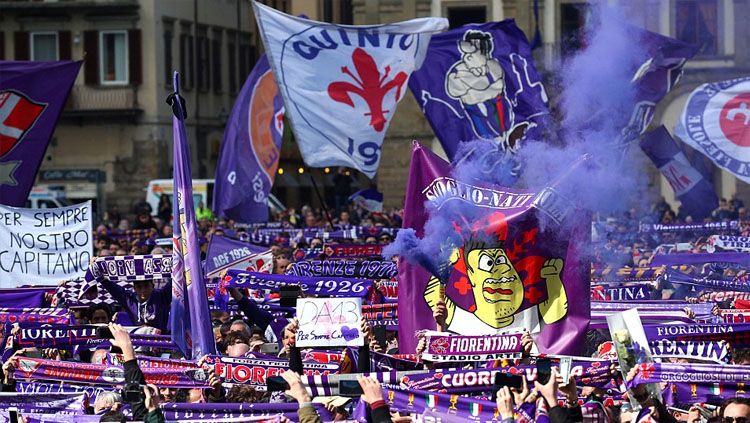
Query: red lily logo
[[370, 86], [18, 113]]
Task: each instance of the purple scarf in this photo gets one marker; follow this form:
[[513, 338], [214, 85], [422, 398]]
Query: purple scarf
[[370, 269]]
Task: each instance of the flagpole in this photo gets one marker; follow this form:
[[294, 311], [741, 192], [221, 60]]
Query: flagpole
[[322, 202]]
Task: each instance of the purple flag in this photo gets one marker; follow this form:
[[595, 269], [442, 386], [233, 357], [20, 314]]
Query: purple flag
[[190, 319], [654, 78], [696, 193], [479, 81], [250, 149], [32, 96], [226, 253], [507, 275]]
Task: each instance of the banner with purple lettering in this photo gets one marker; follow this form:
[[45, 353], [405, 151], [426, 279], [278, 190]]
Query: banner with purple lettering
[[225, 253], [326, 70], [508, 274], [696, 193], [730, 243], [250, 149], [190, 319], [479, 81], [32, 96]]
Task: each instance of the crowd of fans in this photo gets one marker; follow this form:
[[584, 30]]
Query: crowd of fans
[[617, 240]]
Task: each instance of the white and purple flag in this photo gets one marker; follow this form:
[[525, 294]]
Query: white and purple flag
[[341, 83], [716, 122], [190, 318], [250, 150]]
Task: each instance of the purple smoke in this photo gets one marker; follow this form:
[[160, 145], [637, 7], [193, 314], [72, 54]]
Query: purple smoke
[[596, 103]]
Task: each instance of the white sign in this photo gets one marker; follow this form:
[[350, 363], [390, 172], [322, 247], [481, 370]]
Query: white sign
[[357, 74], [44, 246], [329, 322]]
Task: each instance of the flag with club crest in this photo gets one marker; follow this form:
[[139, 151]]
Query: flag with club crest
[[190, 318], [250, 150], [32, 96], [479, 81], [716, 122], [341, 83]]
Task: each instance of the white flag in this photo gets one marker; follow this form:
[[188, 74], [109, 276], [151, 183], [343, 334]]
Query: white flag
[[341, 83], [716, 122]]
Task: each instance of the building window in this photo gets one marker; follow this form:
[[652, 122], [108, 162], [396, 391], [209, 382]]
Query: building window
[[216, 61], [460, 16], [186, 59], [247, 56], [204, 66], [697, 23], [44, 46], [232, 56], [573, 19], [113, 51], [168, 66]]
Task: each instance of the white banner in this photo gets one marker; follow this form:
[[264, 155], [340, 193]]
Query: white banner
[[729, 242], [716, 122], [44, 246], [341, 83]]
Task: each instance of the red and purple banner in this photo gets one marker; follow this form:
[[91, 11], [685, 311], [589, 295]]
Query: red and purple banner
[[509, 274]]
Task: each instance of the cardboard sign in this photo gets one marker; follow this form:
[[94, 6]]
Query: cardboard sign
[[329, 322]]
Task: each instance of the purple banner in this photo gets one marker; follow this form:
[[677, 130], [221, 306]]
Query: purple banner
[[64, 336], [40, 315], [312, 285], [250, 149], [352, 250], [621, 293], [38, 387], [369, 269], [102, 374], [691, 373], [544, 270], [32, 96], [23, 298], [245, 411], [706, 283], [444, 347], [226, 253], [255, 370], [706, 228], [190, 319], [67, 404], [701, 350]]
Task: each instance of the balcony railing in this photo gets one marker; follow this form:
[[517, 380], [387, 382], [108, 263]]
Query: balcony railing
[[87, 100]]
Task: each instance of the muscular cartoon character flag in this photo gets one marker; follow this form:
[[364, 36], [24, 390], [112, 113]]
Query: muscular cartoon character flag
[[508, 274], [479, 81]]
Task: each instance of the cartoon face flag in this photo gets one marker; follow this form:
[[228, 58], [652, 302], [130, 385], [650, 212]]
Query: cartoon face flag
[[341, 84], [507, 275], [32, 96], [479, 81], [716, 122], [250, 150]]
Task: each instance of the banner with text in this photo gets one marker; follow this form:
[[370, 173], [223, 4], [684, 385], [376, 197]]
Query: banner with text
[[44, 246]]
